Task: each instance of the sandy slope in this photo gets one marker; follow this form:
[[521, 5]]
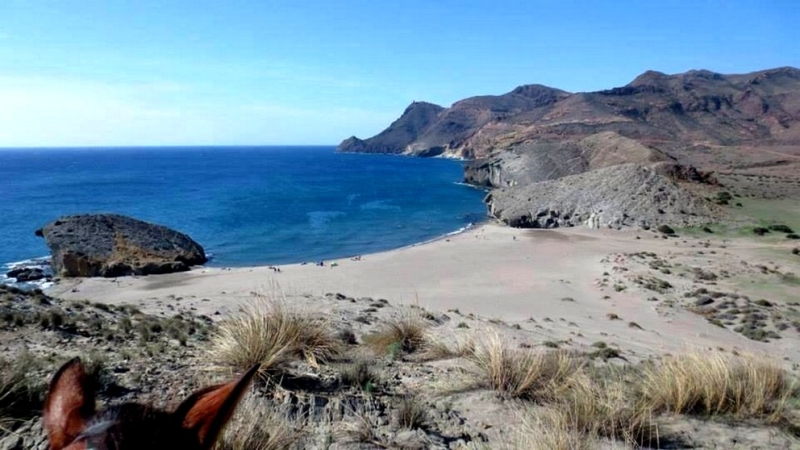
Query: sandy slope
[[508, 274]]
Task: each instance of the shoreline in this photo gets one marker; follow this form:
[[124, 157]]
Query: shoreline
[[564, 281], [45, 261]]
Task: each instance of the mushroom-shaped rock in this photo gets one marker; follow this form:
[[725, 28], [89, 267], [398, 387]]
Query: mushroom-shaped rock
[[111, 245]]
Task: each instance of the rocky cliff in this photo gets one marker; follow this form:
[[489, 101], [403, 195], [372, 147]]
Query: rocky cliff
[[664, 125], [419, 116], [616, 196], [111, 245], [535, 161]]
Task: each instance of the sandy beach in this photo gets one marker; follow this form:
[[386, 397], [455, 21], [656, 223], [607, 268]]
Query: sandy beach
[[575, 284]]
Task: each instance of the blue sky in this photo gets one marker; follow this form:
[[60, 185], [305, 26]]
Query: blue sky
[[184, 72]]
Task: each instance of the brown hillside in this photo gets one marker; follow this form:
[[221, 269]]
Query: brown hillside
[[668, 112]]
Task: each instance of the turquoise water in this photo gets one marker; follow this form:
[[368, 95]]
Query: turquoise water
[[246, 206]]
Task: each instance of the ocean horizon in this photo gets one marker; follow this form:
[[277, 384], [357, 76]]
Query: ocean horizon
[[246, 205]]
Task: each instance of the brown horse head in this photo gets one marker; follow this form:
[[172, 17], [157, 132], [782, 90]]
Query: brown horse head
[[72, 423]]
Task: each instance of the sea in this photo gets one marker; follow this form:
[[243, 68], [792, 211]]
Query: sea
[[245, 205]]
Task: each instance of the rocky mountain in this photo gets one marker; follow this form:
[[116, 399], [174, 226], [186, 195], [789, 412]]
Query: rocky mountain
[[696, 107], [418, 116], [672, 127]]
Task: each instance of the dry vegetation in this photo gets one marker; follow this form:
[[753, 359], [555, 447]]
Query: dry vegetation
[[359, 429], [359, 373], [269, 333], [257, 427], [714, 384], [580, 403], [399, 336], [525, 374], [20, 394], [566, 399], [569, 402], [602, 404], [550, 429], [411, 413]]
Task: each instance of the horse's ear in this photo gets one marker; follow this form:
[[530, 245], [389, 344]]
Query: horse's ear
[[205, 413], [69, 405]]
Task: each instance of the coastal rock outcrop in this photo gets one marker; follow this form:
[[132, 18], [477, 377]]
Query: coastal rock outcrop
[[26, 274], [616, 196], [535, 161], [111, 245], [397, 138]]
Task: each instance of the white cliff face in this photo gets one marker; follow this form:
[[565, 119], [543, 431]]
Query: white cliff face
[[486, 173], [593, 222]]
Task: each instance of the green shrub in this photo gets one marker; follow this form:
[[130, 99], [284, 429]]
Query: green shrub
[[760, 231], [666, 229], [781, 228]]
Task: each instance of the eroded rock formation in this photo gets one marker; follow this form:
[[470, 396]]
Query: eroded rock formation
[[111, 245]]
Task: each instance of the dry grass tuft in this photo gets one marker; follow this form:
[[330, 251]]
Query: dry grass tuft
[[435, 349], [524, 374], [399, 336], [622, 404], [359, 373], [266, 332], [586, 408], [604, 405], [549, 429], [411, 413], [717, 383], [359, 429], [21, 393], [257, 427]]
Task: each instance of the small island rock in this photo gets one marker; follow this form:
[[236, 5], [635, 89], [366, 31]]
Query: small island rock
[[111, 245]]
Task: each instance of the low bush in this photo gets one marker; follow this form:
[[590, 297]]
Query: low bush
[[713, 384], [760, 231], [399, 336], [781, 228], [411, 413], [666, 229], [521, 373], [359, 373], [268, 333]]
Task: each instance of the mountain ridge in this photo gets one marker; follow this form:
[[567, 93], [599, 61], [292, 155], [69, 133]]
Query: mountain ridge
[[690, 107]]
